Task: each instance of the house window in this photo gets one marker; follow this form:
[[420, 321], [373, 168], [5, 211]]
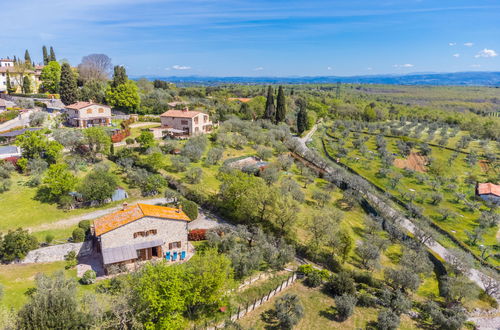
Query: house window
[[174, 245], [101, 110], [89, 111], [151, 232], [184, 122], [205, 119], [139, 234], [196, 120]]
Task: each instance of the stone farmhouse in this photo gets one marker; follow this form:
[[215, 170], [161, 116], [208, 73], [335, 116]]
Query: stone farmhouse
[[142, 232], [184, 122], [88, 114]]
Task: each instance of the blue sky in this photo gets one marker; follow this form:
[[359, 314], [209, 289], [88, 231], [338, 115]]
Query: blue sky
[[261, 38]]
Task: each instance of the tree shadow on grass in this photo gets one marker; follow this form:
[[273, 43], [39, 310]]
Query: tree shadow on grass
[[269, 317], [330, 313]]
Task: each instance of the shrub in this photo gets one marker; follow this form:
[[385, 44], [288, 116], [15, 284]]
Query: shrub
[[288, 311], [129, 141], [191, 209], [197, 235], [78, 235], [71, 260], [314, 279], [16, 245], [305, 269], [340, 284], [366, 300], [85, 225], [345, 306], [49, 238], [387, 320], [88, 277]]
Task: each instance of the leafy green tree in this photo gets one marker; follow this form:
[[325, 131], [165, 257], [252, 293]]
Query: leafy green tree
[[53, 305], [52, 57], [343, 244], [194, 175], [280, 106], [301, 116], [98, 185], [45, 55], [270, 112], [153, 185], [214, 155], [146, 139], [93, 90], [288, 310], [16, 245], [98, 140], [58, 181], [341, 283], [51, 77], [36, 145], [26, 85], [124, 96], [68, 88], [88, 277]]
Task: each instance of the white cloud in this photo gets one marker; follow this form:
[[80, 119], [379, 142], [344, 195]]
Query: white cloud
[[452, 43], [329, 68], [369, 68], [181, 67], [456, 55], [259, 68], [469, 44], [486, 53], [403, 65], [475, 65]]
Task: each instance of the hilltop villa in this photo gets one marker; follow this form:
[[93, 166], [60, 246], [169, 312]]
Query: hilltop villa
[[142, 232], [88, 114]]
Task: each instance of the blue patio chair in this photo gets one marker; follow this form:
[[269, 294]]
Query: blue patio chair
[[174, 258], [183, 255], [167, 256]]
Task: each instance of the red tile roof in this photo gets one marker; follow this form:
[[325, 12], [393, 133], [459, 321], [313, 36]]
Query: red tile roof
[[488, 188], [79, 105], [6, 60], [180, 114], [136, 212]]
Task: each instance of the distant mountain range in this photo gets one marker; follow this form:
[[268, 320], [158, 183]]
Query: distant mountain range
[[477, 78]]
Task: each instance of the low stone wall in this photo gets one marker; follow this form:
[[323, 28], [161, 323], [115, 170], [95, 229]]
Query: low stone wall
[[57, 252]]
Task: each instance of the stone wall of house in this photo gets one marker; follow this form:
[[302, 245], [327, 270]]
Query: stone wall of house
[[168, 231]]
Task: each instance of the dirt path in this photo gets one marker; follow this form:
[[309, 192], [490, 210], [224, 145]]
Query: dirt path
[[64, 223]]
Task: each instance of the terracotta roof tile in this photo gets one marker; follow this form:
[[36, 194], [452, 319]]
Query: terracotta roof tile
[[136, 212], [488, 188], [180, 114], [81, 105]]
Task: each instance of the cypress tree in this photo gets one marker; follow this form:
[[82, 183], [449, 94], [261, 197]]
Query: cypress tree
[[27, 57], [52, 56], [270, 112], [15, 60], [26, 85], [280, 106], [10, 88], [119, 76], [301, 116], [45, 56], [67, 86]]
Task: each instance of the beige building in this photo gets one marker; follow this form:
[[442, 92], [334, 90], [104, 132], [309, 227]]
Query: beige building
[[189, 122], [17, 73], [88, 114], [142, 232]]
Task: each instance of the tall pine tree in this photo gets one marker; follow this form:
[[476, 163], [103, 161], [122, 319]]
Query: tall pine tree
[[270, 112], [301, 116], [280, 106], [68, 88], [27, 57], [119, 76], [52, 56], [45, 56]]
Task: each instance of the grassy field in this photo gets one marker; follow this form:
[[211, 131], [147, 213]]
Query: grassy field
[[465, 219], [18, 278], [319, 312]]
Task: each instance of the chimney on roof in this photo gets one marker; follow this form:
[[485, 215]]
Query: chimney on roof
[[124, 206]]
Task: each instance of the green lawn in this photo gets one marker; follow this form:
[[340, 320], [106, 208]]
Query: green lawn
[[17, 278]]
